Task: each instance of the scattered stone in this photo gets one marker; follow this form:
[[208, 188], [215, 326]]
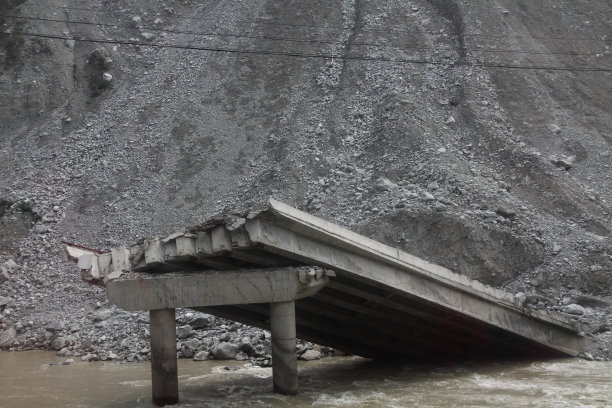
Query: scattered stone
[[384, 184], [426, 196], [107, 77], [192, 344], [310, 355], [54, 326], [433, 186], [68, 361], [225, 351], [440, 207], [184, 331], [147, 36], [520, 297], [449, 120], [563, 161], [505, 212], [7, 337], [574, 309], [6, 301], [102, 315], [201, 322], [246, 346], [556, 248], [58, 343], [89, 357], [201, 356], [554, 128]]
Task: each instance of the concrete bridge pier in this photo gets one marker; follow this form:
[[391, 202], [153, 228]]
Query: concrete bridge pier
[[284, 353], [164, 374]]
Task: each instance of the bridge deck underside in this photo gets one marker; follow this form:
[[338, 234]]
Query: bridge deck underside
[[377, 322]]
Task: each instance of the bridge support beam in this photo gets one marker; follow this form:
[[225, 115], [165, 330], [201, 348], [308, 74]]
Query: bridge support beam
[[284, 355], [164, 373]]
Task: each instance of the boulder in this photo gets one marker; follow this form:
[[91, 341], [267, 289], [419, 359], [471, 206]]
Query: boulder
[[184, 331], [384, 184], [310, 355], [201, 321], [7, 337], [201, 356], [574, 309], [58, 343], [225, 351], [5, 301], [246, 346], [54, 326], [102, 315], [192, 344]]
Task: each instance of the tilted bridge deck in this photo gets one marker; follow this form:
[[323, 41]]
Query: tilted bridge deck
[[350, 292]]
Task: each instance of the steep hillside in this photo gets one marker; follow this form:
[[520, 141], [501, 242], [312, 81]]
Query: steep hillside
[[476, 135]]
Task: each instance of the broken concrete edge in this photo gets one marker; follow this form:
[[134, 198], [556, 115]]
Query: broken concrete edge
[[316, 228]]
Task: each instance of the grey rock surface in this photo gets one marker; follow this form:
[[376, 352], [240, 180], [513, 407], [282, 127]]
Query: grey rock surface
[[225, 351], [179, 136]]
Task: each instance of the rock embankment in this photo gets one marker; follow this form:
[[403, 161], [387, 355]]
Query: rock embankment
[[112, 334]]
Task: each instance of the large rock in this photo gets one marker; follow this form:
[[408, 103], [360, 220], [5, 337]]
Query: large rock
[[246, 346], [6, 269], [102, 315], [574, 309], [5, 301], [201, 356], [7, 337], [201, 321], [193, 344], [225, 351], [184, 331], [310, 355], [54, 326], [58, 343]]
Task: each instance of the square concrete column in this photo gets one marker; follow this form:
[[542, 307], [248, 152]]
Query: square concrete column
[[284, 351], [164, 373]]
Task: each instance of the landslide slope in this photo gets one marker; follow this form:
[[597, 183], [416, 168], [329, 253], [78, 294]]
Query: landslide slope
[[477, 136]]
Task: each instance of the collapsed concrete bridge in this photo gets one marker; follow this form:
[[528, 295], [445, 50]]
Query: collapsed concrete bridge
[[298, 275]]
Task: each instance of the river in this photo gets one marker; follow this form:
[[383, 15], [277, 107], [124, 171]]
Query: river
[[34, 379]]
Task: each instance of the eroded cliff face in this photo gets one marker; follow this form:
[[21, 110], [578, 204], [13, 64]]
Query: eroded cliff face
[[428, 125]]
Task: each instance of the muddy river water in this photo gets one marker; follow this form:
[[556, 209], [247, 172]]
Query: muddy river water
[[33, 379]]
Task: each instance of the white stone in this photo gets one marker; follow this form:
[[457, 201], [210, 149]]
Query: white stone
[[310, 355]]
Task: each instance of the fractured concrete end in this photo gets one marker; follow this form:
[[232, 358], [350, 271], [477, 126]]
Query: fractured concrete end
[[185, 246], [154, 252], [121, 259], [221, 240], [84, 262], [204, 243], [104, 264]]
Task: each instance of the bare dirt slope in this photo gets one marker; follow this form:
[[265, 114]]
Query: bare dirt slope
[[474, 134]]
